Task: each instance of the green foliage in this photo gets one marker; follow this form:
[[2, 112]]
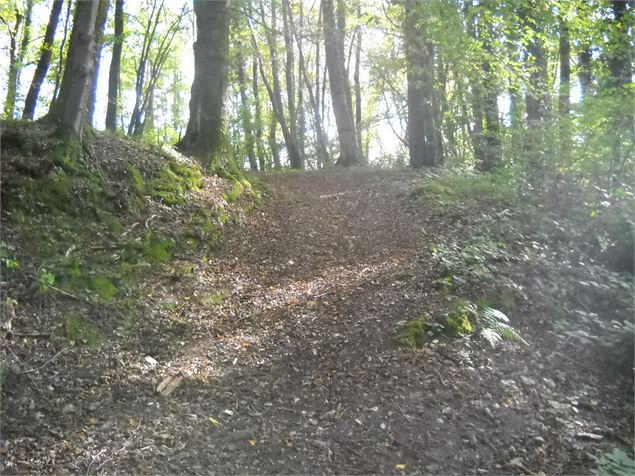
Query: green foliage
[[43, 282], [80, 331], [8, 262], [615, 463], [470, 263]]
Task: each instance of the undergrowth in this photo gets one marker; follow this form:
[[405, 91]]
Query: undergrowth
[[560, 252]]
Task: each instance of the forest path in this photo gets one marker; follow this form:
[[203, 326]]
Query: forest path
[[285, 338]]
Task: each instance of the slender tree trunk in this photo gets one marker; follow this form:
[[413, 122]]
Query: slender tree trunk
[[100, 24], [273, 143], [585, 74], [274, 90], [75, 87], [115, 68], [245, 110], [564, 50], [148, 39], [60, 63], [260, 149], [536, 60], [289, 67], [314, 98], [44, 62], [206, 127], [340, 89], [357, 83]]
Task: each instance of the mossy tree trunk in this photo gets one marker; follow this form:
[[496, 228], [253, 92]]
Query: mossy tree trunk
[[205, 128]]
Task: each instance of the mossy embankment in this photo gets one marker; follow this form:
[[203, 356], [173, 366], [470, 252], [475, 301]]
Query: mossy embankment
[[84, 226]]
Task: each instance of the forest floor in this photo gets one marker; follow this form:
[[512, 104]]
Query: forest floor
[[291, 363]]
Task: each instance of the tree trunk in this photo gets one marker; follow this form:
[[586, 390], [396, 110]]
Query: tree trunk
[[148, 39], [115, 68], [260, 148], [245, 110], [273, 143], [206, 127], [357, 83], [585, 75], [274, 89], [314, 98], [75, 87], [44, 62], [564, 51], [340, 90], [100, 24], [536, 60], [60, 62], [620, 57], [423, 134]]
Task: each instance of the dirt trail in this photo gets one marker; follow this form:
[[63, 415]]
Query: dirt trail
[[286, 342]]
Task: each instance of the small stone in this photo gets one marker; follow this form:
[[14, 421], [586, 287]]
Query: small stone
[[539, 440], [527, 381], [440, 421], [150, 361], [516, 461], [446, 411]]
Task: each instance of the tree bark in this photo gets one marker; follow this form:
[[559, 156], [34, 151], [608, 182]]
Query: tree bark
[[340, 89], [75, 88], [115, 68], [206, 127], [46, 52]]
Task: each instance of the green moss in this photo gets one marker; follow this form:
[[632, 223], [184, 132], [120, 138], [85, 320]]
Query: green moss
[[136, 179], [159, 249], [415, 333], [234, 193], [80, 331], [103, 287], [457, 324], [171, 182]]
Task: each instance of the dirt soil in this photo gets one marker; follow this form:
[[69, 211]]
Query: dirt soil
[[286, 342]]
